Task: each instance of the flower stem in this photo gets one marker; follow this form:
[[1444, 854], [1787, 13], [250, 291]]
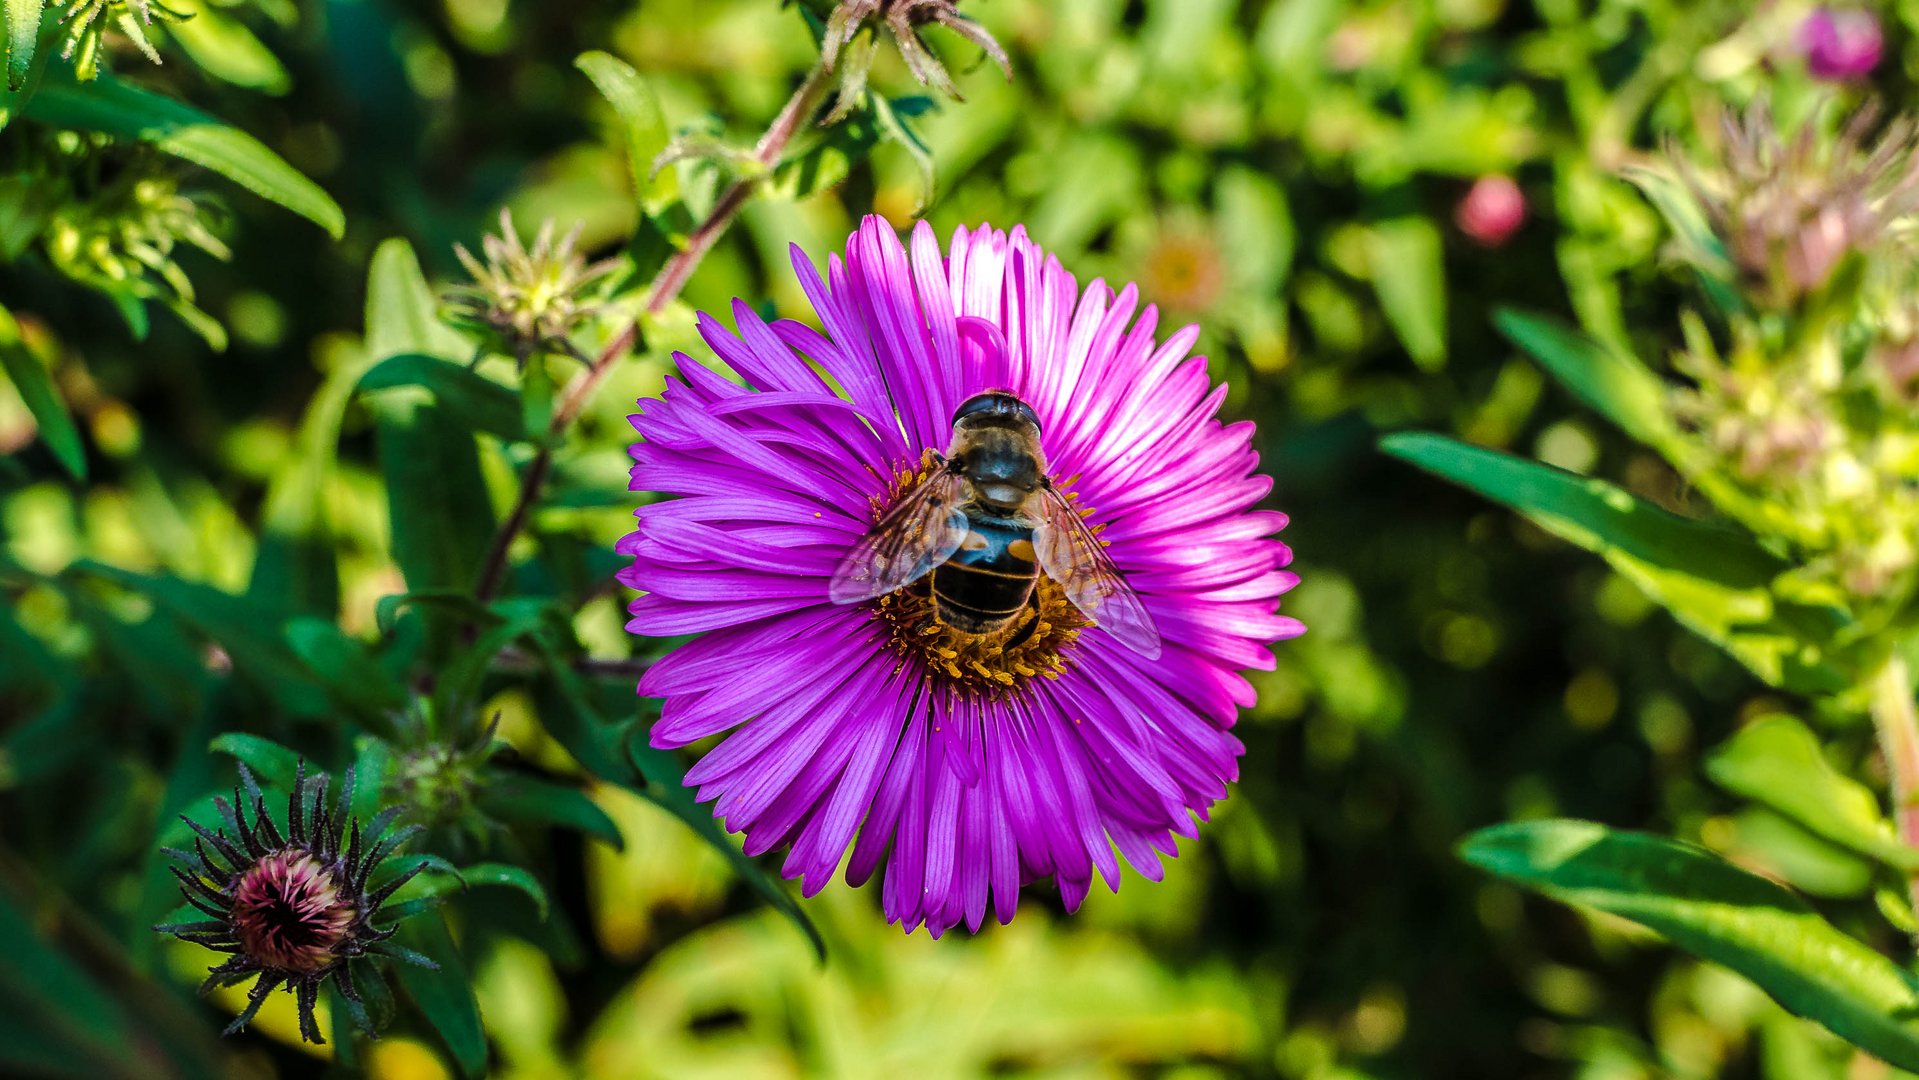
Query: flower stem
[[1893, 716], [666, 285]]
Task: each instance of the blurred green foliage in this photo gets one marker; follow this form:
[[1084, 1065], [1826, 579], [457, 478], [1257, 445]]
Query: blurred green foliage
[[1284, 173]]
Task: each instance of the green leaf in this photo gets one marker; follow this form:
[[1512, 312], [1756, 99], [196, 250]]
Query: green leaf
[[23, 34], [224, 48], [1405, 260], [1715, 581], [274, 765], [35, 384], [1777, 762], [441, 514], [343, 667], [643, 124], [666, 787], [445, 994], [504, 875], [1714, 909], [894, 118], [513, 798], [458, 688], [402, 314], [465, 395], [124, 111], [1618, 387], [824, 162]]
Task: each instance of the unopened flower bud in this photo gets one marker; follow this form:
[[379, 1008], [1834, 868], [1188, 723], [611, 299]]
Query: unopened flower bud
[[1841, 46], [1492, 210]]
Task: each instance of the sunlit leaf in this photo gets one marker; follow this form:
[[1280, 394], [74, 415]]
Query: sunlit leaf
[[1775, 761], [1406, 262], [23, 35], [125, 111], [642, 123], [1711, 908], [825, 161], [1715, 581], [224, 48]]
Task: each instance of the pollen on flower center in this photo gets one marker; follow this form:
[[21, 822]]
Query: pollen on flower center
[[290, 912], [990, 664]]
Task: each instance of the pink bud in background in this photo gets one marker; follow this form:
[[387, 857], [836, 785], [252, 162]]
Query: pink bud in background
[[1492, 211], [1841, 46]]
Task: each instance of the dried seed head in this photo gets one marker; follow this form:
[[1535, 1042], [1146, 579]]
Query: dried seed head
[[528, 299], [902, 20]]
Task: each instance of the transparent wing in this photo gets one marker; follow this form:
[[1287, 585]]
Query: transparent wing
[[1070, 554], [921, 532]]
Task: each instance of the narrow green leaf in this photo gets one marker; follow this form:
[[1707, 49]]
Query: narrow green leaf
[[1405, 259], [23, 34], [445, 995], [1715, 581], [666, 787], [35, 384], [125, 111], [1775, 761], [514, 798], [643, 124], [441, 514], [465, 395], [342, 665], [1617, 387], [1714, 909], [274, 765]]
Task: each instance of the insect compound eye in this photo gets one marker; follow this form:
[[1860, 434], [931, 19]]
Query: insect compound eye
[[1026, 413], [977, 404], [996, 403]]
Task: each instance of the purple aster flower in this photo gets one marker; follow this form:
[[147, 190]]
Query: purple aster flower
[[968, 752], [1841, 46]]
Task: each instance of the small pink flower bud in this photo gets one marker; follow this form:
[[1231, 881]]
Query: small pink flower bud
[[1492, 211], [1841, 46]]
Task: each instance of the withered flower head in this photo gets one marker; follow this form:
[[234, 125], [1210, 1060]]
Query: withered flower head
[[526, 299], [902, 19], [293, 909], [1788, 208]]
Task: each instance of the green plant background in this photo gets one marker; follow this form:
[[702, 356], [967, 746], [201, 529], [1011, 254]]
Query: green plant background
[[1283, 173]]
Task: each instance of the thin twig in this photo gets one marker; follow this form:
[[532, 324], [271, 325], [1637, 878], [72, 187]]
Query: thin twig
[[666, 286]]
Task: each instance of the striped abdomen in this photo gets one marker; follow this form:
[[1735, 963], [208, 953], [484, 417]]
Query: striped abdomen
[[988, 582]]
